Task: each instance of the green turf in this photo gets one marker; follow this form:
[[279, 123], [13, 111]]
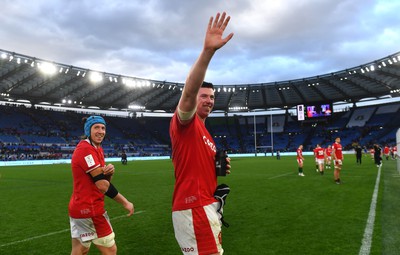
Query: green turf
[[271, 210]]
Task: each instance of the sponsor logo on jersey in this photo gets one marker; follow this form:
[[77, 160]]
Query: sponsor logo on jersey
[[209, 143]]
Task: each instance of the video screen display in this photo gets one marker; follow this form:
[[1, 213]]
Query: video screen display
[[318, 110]]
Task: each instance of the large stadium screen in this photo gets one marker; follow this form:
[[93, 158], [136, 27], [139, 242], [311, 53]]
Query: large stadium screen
[[314, 111]]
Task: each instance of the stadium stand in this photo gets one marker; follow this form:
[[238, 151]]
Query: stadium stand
[[360, 116], [30, 133]]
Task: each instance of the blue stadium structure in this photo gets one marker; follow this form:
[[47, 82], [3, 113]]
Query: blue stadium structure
[[29, 133], [40, 113]]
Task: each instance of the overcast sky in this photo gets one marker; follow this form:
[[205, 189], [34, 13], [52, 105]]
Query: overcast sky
[[274, 40]]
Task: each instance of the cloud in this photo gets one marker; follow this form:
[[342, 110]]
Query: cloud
[[274, 40]]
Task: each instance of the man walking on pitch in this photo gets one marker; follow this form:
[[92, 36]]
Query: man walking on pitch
[[358, 154], [328, 156], [320, 156], [197, 224], [338, 159], [300, 160], [92, 180]]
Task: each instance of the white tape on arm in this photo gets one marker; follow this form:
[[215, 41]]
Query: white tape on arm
[[186, 115]]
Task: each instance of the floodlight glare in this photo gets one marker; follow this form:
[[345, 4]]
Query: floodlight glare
[[95, 77], [47, 68], [130, 83]]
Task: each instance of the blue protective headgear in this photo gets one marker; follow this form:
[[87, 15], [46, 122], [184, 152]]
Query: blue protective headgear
[[91, 121]]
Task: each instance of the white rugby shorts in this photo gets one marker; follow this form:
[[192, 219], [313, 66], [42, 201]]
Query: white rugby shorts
[[87, 230], [338, 163], [198, 230]]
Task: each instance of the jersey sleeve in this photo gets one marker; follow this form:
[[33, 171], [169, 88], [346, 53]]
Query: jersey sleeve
[[88, 158]]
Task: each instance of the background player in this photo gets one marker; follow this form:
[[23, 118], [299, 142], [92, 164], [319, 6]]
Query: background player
[[328, 156], [300, 159], [337, 154], [320, 156]]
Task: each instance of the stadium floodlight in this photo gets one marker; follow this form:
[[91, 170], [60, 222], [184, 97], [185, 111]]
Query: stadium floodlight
[[130, 83], [113, 79], [238, 108], [3, 55], [47, 68], [95, 77], [136, 107]]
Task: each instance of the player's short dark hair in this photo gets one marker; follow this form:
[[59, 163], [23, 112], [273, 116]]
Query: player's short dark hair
[[207, 85]]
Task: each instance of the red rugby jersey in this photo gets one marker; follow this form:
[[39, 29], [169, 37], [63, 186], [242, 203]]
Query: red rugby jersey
[[193, 156], [86, 200], [337, 148], [319, 153]]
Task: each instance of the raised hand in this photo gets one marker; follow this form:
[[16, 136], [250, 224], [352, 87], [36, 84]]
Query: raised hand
[[216, 27]]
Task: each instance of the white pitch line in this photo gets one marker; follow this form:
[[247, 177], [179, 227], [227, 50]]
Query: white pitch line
[[57, 232], [277, 176], [365, 248]]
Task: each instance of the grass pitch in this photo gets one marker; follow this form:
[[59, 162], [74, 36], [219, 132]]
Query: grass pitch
[[271, 210]]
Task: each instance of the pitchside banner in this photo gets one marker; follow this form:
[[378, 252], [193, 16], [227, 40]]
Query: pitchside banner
[[398, 146]]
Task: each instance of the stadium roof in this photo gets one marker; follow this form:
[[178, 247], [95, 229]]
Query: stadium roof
[[25, 78]]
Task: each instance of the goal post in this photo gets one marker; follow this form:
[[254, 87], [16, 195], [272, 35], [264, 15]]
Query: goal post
[[269, 149], [265, 147]]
